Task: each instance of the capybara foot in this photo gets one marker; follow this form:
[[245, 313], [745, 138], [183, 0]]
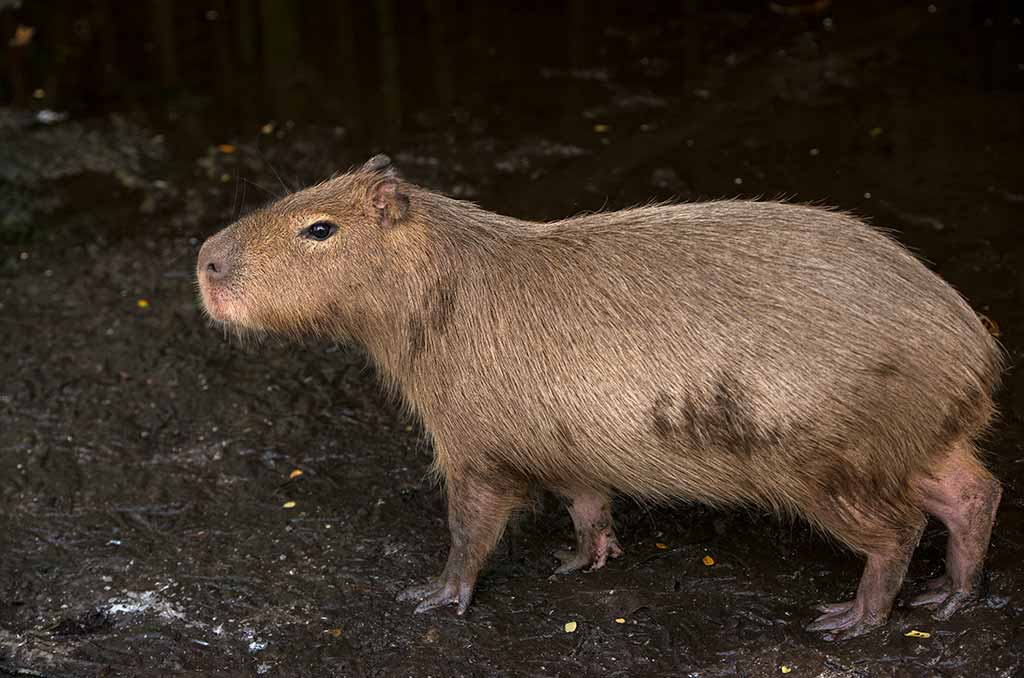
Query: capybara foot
[[945, 601], [591, 512], [934, 591], [438, 593], [846, 620], [603, 547]]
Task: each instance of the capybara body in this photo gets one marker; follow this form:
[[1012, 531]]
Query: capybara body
[[730, 352]]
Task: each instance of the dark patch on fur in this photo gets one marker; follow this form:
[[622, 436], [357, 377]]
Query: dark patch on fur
[[886, 369], [417, 337], [564, 437], [964, 416], [661, 412], [439, 304], [731, 421], [438, 307], [726, 424]]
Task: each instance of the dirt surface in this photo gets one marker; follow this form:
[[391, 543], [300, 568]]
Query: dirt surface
[[149, 463]]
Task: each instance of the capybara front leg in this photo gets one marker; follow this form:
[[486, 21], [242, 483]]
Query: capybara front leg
[[595, 534], [477, 514]]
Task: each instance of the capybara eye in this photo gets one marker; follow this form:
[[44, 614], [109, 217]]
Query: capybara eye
[[321, 230]]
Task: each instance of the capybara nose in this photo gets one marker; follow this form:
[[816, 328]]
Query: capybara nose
[[215, 269], [213, 264]]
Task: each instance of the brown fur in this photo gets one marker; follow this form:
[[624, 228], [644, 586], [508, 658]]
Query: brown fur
[[729, 352]]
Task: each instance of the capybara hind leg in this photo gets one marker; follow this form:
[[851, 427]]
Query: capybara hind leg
[[595, 534], [477, 514], [965, 497], [883, 576]]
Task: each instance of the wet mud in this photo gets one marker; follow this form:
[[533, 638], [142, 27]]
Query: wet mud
[[153, 519]]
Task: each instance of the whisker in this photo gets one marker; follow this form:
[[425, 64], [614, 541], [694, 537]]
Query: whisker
[[235, 207], [279, 179], [241, 203], [262, 188]]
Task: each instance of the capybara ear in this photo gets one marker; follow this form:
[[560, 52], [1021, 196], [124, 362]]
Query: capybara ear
[[379, 164], [388, 199], [391, 203]]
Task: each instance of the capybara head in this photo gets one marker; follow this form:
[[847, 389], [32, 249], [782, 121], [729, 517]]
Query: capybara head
[[295, 266]]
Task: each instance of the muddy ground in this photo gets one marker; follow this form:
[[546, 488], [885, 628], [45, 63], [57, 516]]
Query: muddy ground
[[146, 461]]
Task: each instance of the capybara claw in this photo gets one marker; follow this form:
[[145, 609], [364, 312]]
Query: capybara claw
[[946, 602], [416, 593], [831, 608], [571, 562], [861, 628], [441, 597], [843, 621], [954, 602], [433, 595], [593, 555]]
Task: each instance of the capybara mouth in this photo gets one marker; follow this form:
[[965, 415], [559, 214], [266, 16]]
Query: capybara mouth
[[221, 305]]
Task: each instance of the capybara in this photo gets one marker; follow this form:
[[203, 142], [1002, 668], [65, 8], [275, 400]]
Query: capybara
[[730, 352]]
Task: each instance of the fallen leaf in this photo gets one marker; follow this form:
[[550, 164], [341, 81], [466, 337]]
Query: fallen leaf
[[268, 128], [142, 303], [660, 546], [914, 633], [334, 632], [602, 128], [709, 561], [620, 620], [785, 669], [295, 474], [226, 148], [288, 505], [570, 627]]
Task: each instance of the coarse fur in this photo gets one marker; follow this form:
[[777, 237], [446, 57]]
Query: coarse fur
[[730, 352]]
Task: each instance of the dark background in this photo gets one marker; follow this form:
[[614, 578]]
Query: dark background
[[145, 460]]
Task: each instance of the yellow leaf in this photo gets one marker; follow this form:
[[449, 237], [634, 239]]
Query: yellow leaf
[[22, 36], [295, 474], [785, 669], [288, 505], [142, 303], [709, 561], [601, 128], [620, 620], [914, 633], [662, 547], [226, 148], [570, 627], [334, 632]]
